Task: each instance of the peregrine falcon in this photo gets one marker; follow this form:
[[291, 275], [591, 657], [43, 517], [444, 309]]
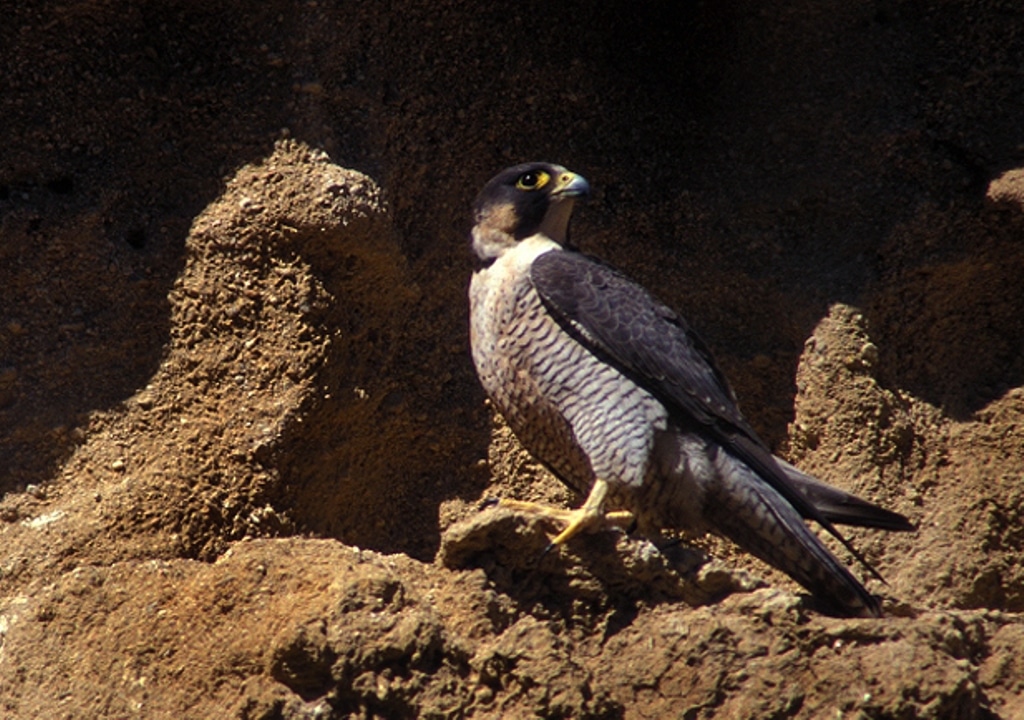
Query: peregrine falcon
[[619, 397]]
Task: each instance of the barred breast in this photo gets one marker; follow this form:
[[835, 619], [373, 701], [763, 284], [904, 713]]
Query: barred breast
[[575, 413]]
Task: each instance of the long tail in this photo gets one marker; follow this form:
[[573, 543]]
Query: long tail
[[751, 513], [842, 507]]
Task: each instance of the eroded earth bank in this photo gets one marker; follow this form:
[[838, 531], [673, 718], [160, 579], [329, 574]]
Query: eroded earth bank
[[242, 447]]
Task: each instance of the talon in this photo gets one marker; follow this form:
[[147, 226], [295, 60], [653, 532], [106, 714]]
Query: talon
[[531, 508], [587, 517], [583, 520], [622, 519], [488, 502]]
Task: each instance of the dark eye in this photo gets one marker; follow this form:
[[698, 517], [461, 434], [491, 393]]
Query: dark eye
[[533, 180]]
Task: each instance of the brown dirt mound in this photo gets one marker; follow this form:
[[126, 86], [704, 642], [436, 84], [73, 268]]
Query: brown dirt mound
[[233, 352]]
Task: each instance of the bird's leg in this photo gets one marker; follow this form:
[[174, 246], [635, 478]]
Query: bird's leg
[[590, 514], [562, 515]]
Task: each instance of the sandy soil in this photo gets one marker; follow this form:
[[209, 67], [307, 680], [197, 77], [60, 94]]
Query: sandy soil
[[242, 447]]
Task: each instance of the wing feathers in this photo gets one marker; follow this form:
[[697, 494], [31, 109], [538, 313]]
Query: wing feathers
[[620, 321], [842, 507]]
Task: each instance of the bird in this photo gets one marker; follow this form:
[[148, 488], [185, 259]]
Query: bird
[[618, 396]]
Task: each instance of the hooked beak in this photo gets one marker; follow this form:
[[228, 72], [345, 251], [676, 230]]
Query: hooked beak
[[570, 185]]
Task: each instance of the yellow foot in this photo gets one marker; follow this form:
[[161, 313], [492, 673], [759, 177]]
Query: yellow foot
[[589, 517]]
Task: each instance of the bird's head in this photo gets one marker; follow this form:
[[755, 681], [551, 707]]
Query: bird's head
[[522, 201]]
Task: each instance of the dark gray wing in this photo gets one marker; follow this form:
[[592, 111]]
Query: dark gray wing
[[620, 321]]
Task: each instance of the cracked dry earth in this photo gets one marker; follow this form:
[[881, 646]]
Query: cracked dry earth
[[242, 449]]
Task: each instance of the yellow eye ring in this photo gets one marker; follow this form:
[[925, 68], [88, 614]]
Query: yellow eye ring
[[533, 180]]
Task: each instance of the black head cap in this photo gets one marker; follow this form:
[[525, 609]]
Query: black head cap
[[522, 201]]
